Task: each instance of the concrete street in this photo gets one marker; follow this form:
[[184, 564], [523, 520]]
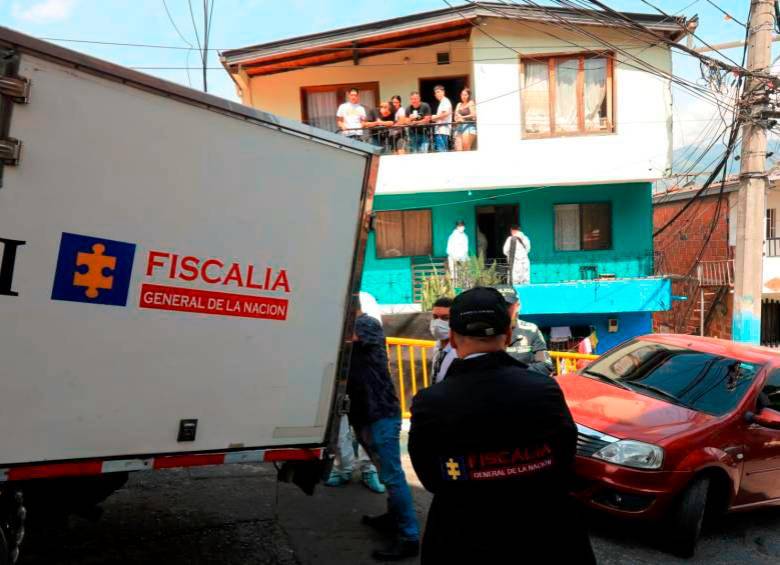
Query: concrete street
[[227, 515]]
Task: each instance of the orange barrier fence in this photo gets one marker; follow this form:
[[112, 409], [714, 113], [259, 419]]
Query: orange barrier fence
[[410, 361]]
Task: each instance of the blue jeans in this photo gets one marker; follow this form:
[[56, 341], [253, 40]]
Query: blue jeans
[[383, 442], [418, 140], [441, 142]]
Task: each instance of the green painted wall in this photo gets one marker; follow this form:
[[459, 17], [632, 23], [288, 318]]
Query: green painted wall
[[390, 281]]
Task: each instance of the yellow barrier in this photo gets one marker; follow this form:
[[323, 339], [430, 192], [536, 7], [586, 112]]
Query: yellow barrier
[[566, 362], [410, 362]]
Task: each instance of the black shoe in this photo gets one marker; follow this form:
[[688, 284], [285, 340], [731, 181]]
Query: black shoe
[[401, 549], [382, 523]]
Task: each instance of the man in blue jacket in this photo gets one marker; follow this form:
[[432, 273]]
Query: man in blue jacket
[[375, 413]]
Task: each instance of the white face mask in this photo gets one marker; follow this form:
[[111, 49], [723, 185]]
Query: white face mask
[[440, 329], [461, 229]]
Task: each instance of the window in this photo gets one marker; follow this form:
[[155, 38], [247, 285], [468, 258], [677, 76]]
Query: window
[[771, 223], [699, 381], [583, 226], [403, 234], [770, 394], [567, 95], [320, 103]]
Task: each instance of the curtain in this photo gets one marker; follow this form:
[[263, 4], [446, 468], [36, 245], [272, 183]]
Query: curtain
[[596, 226], [536, 97], [321, 109], [567, 227], [389, 228], [566, 95], [595, 103], [417, 232]]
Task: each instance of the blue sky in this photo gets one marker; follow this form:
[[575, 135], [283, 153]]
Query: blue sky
[[238, 23]]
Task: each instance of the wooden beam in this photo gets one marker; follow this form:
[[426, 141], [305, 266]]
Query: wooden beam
[[347, 55]]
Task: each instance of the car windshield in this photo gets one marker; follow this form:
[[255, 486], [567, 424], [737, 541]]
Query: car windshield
[[701, 381]]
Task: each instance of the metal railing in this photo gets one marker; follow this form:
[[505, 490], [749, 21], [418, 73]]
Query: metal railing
[[715, 273], [772, 247], [410, 362], [398, 140]]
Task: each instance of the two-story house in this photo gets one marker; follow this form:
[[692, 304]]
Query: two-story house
[[573, 124], [697, 251]]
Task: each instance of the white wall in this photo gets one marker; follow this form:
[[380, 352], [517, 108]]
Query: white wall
[[639, 149]]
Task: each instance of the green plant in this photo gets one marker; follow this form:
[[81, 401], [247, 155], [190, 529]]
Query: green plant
[[480, 274], [435, 286]]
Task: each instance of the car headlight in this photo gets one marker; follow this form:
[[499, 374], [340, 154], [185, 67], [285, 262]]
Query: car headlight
[[631, 453]]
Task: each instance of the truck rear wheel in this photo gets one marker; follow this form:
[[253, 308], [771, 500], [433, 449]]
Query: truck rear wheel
[[687, 518]]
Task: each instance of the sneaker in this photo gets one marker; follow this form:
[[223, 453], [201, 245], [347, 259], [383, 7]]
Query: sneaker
[[337, 479], [401, 549], [382, 523], [371, 480]]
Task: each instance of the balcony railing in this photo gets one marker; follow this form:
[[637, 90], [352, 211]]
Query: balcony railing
[[399, 140], [772, 247]]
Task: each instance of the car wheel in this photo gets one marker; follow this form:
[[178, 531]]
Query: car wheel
[[687, 518]]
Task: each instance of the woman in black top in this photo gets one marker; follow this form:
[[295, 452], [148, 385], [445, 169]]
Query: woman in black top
[[465, 122]]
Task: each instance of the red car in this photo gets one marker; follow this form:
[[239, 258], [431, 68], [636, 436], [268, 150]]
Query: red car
[[676, 426]]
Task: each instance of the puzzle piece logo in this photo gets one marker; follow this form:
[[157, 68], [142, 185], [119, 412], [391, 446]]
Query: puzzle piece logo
[[94, 270]]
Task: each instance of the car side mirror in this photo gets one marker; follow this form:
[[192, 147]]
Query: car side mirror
[[766, 418]]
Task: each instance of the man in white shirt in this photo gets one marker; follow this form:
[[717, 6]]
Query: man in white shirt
[[457, 248], [443, 119], [351, 115], [443, 353], [516, 248]]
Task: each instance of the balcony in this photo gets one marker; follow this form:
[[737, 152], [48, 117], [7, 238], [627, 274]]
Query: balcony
[[409, 139], [772, 266]]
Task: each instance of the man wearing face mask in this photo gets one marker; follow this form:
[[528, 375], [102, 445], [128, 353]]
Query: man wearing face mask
[[527, 345], [457, 248], [443, 353]]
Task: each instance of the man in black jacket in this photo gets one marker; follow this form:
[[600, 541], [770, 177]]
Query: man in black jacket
[[495, 443], [375, 413]]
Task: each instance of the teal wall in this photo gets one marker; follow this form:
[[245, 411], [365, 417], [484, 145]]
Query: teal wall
[[390, 280]]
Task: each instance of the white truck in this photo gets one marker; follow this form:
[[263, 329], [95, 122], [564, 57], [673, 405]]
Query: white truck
[[176, 279]]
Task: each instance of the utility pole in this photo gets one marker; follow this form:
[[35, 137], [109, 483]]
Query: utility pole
[[751, 207]]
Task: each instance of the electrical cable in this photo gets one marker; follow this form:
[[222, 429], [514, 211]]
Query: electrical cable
[[724, 12]]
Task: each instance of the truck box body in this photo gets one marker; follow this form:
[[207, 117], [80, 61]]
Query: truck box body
[[172, 257]]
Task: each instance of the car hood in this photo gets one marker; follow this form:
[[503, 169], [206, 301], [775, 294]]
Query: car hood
[[626, 414]]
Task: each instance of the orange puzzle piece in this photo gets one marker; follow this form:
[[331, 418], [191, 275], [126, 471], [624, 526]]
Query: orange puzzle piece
[[94, 278]]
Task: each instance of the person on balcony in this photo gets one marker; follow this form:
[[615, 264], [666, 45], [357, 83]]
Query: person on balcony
[[442, 119], [418, 116], [379, 121], [457, 249], [401, 141], [465, 122], [527, 345], [516, 249], [351, 115], [443, 353]]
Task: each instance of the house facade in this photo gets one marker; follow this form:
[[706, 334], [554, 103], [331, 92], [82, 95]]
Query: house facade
[[697, 253], [573, 125]]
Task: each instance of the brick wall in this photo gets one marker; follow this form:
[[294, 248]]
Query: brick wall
[[677, 249]]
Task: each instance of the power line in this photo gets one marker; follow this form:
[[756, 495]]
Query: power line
[[173, 23], [184, 39], [724, 12]]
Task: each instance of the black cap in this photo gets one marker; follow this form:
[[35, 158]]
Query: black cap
[[508, 292], [479, 312]]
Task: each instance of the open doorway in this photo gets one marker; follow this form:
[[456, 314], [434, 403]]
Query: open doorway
[[452, 87], [494, 222]]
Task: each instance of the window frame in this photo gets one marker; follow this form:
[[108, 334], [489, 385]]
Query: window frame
[[581, 56], [304, 90], [771, 223], [579, 209], [404, 254]]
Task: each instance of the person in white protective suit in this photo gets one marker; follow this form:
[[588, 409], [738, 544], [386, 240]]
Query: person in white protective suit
[[516, 248], [457, 248]]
